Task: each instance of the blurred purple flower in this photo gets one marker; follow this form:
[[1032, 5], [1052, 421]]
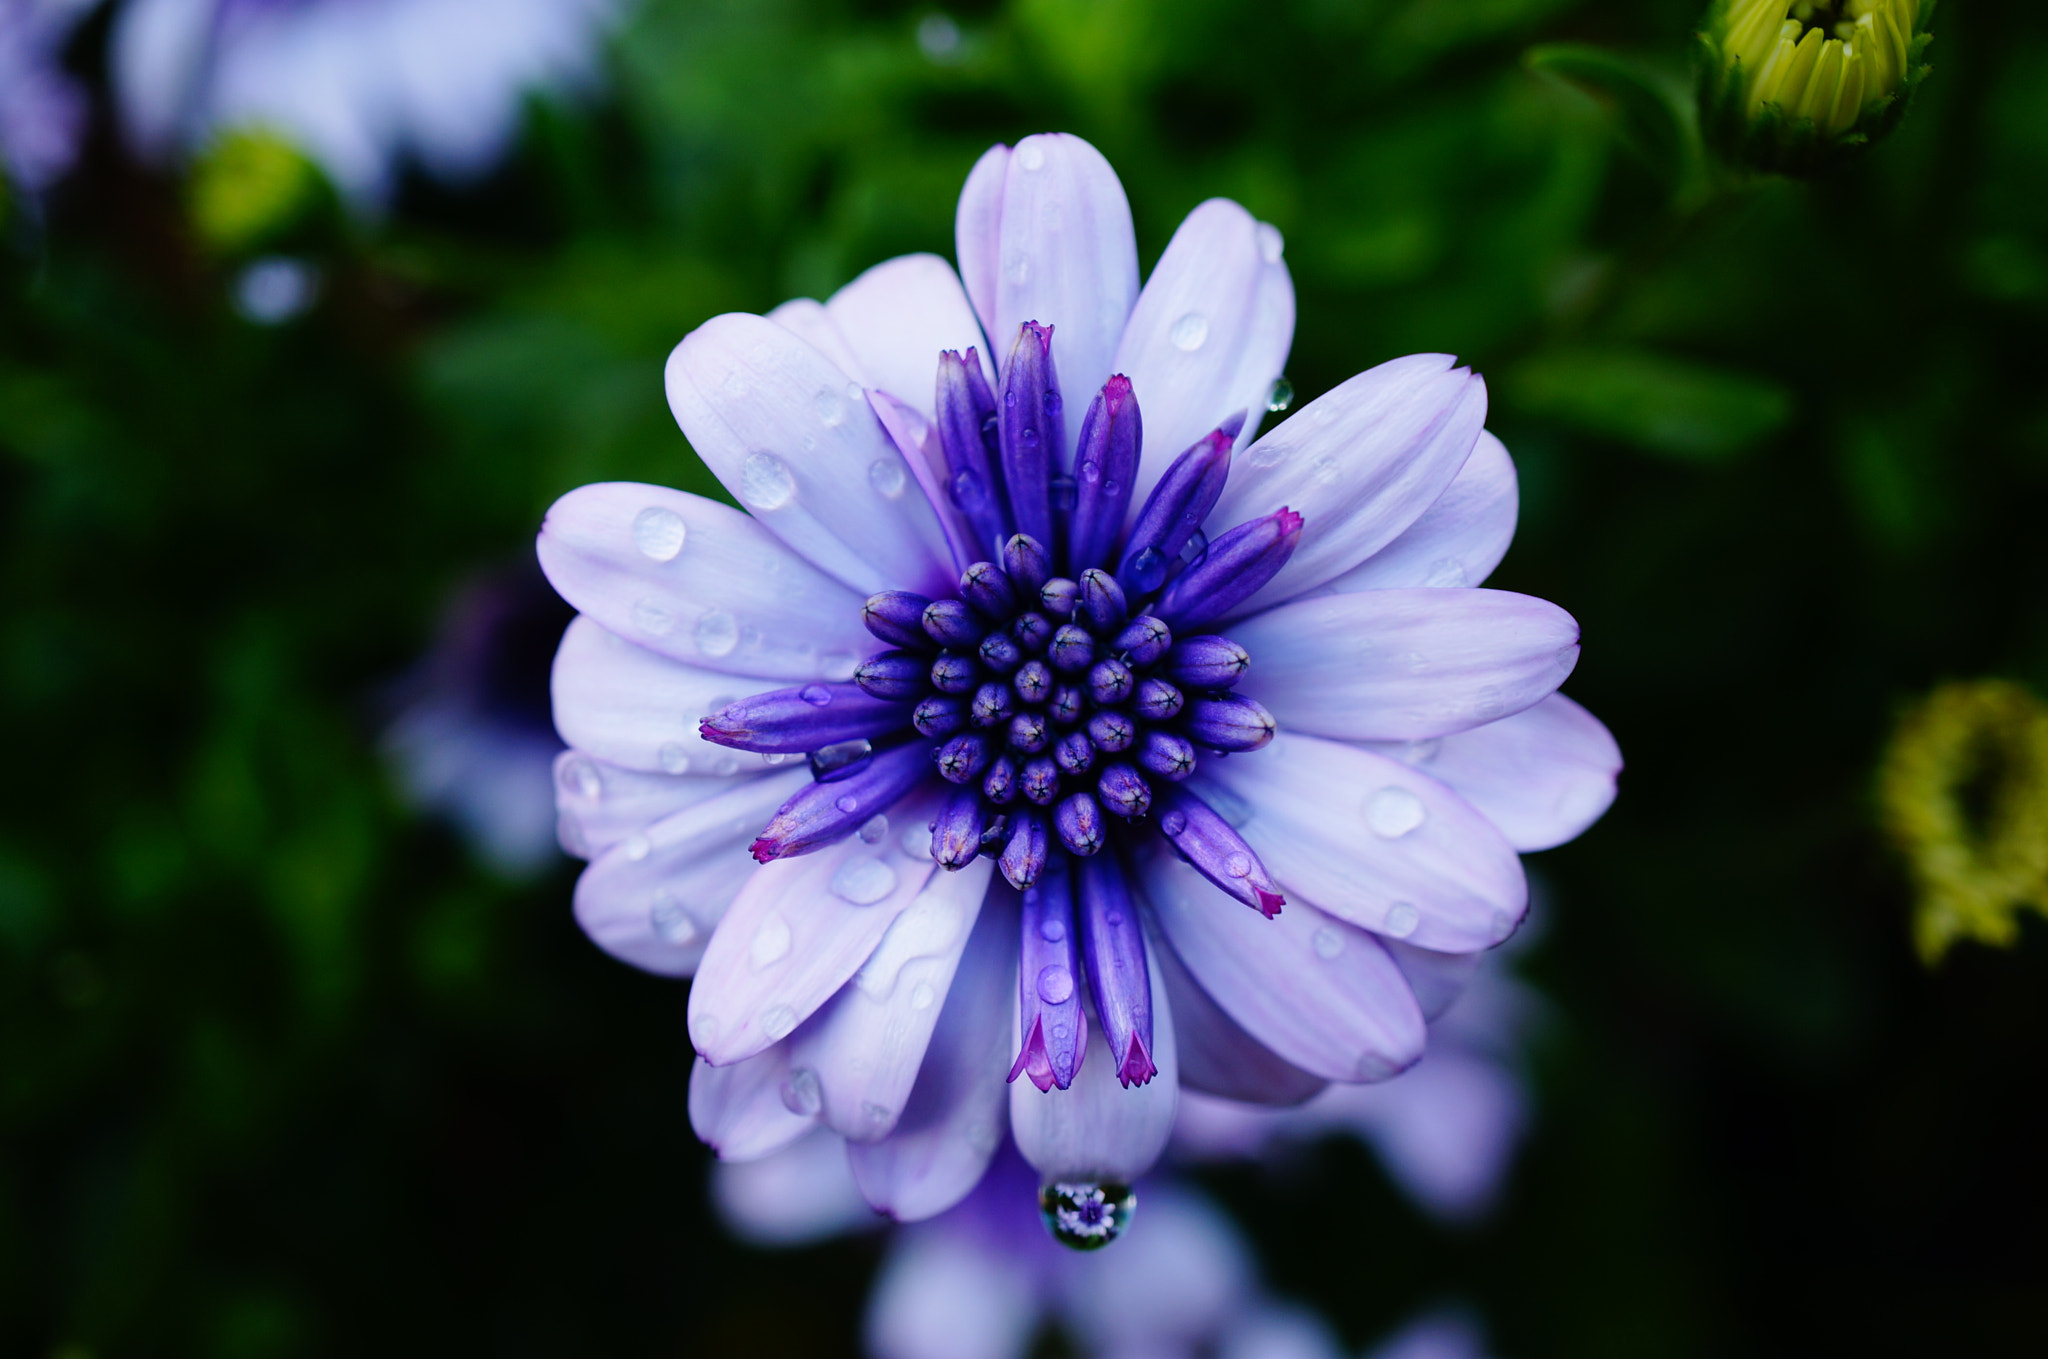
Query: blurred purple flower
[[471, 740], [42, 109], [1397, 732], [354, 84]]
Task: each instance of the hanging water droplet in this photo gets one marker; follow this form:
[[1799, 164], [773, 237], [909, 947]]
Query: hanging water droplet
[[669, 921], [817, 695], [1271, 242], [1393, 812], [1402, 918], [1327, 943], [636, 847], [841, 759], [831, 408], [1282, 395], [874, 828], [658, 533], [718, 632], [1055, 984], [1173, 823], [673, 758], [578, 776], [1065, 494], [766, 482], [887, 476], [864, 881], [1189, 332], [801, 1094], [771, 942], [649, 616], [1086, 1216]]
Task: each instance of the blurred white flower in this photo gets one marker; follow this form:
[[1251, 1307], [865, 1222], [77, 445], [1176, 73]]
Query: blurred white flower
[[42, 110]]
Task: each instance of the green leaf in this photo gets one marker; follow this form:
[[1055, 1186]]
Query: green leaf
[[1649, 118], [1654, 401]]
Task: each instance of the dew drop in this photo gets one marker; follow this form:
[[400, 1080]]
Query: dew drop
[[1148, 570], [669, 921], [864, 881], [766, 482], [771, 942], [1282, 395], [1402, 918], [840, 760], [1271, 242], [659, 533], [917, 842], [1017, 267], [1393, 812], [775, 758], [718, 632], [801, 1094], [1238, 865], [1051, 930], [1189, 332], [1446, 573], [887, 476], [1065, 494], [578, 775], [1173, 823], [636, 847], [1327, 943], [1086, 1216], [1091, 471], [838, 665], [922, 996], [1030, 156], [847, 803], [831, 409], [968, 492], [874, 828], [777, 1022], [673, 758], [649, 616], [1055, 984], [726, 764], [817, 695]]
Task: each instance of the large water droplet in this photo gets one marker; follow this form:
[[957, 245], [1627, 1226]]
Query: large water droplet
[[841, 759], [801, 1094], [887, 476], [648, 616], [766, 482], [1282, 395], [864, 881], [1055, 984], [1393, 812], [1173, 823], [578, 776], [669, 921], [1030, 156], [817, 695], [659, 533], [1086, 1216], [1189, 332], [636, 847], [1327, 943], [1051, 930], [874, 828], [1402, 918], [673, 758], [718, 632], [771, 942]]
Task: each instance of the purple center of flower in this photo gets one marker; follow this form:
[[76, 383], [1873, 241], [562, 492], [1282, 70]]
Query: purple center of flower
[[1065, 693]]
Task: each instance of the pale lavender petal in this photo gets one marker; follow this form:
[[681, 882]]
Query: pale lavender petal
[[654, 898], [1217, 1056], [699, 582], [1272, 1331], [1322, 994], [1458, 540], [1437, 979], [1446, 1130], [799, 930], [1096, 1129], [630, 707], [1066, 257], [917, 438], [745, 1111], [959, 1107], [598, 805], [1405, 665], [1209, 333], [868, 1042], [793, 439], [896, 318], [1373, 842], [807, 319], [977, 230], [950, 1295], [1543, 775], [1359, 463], [801, 1195], [1172, 1281], [1450, 1333]]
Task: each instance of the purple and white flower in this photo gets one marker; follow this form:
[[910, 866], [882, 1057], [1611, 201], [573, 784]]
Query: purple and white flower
[[353, 84], [969, 673], [42, 109]]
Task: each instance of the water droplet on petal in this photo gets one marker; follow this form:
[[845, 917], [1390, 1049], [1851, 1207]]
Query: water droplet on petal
[[726, 764], [777, 1022], [1327, 943], [1271, 242], [1051, 930], [1030, 156], [649, 616], [840, 760], [771, 942], [801, 1094], [673, 758], [1393, 812], [1446, 573], [1282, 395], [1086, 1216], [922, 996], [766, 483], [718, 632], [1017, 268], [831, 408], [1173, 823], [1402, 918], [636, 847], [1189, 332], [917, 842], [578, 775], [847, 803], [817, 695], [1065, 494], [864, 881], [1238, 865], [669, 921], [887, 476], [968, 492], [1055, 984], [874, 828], [658, 533]]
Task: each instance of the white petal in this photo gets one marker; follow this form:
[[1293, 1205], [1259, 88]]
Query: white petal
[[1174, 1279], [977, 231], [1543, 775], [867, 1044], [802, 1194], [1096, 1129], [794, 441], [950, 1295], [798, 931], [742, 1111], [959, 1107], [1066, 256], [599, 805], [1437, 979], [896, 318], [628, 706], [1459, 539], [1208, 336], [1359, 464], [1322, 994], [1372, 841], [699, 582], [654, 898], [1217, 1056], [1405, 665], [807, 319]]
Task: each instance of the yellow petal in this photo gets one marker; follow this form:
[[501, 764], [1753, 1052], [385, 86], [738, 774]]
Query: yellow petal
[[1823, 86], [1849, 101], [1771, 74], [1754, 30], [1799, 72]]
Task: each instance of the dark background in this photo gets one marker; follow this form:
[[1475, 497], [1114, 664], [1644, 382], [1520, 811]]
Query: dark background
[[283, 1072]]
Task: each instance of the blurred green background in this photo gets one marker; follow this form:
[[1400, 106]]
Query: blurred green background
[[284, 1072]]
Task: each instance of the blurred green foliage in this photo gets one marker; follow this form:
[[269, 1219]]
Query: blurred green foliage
[[283, 1073]]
